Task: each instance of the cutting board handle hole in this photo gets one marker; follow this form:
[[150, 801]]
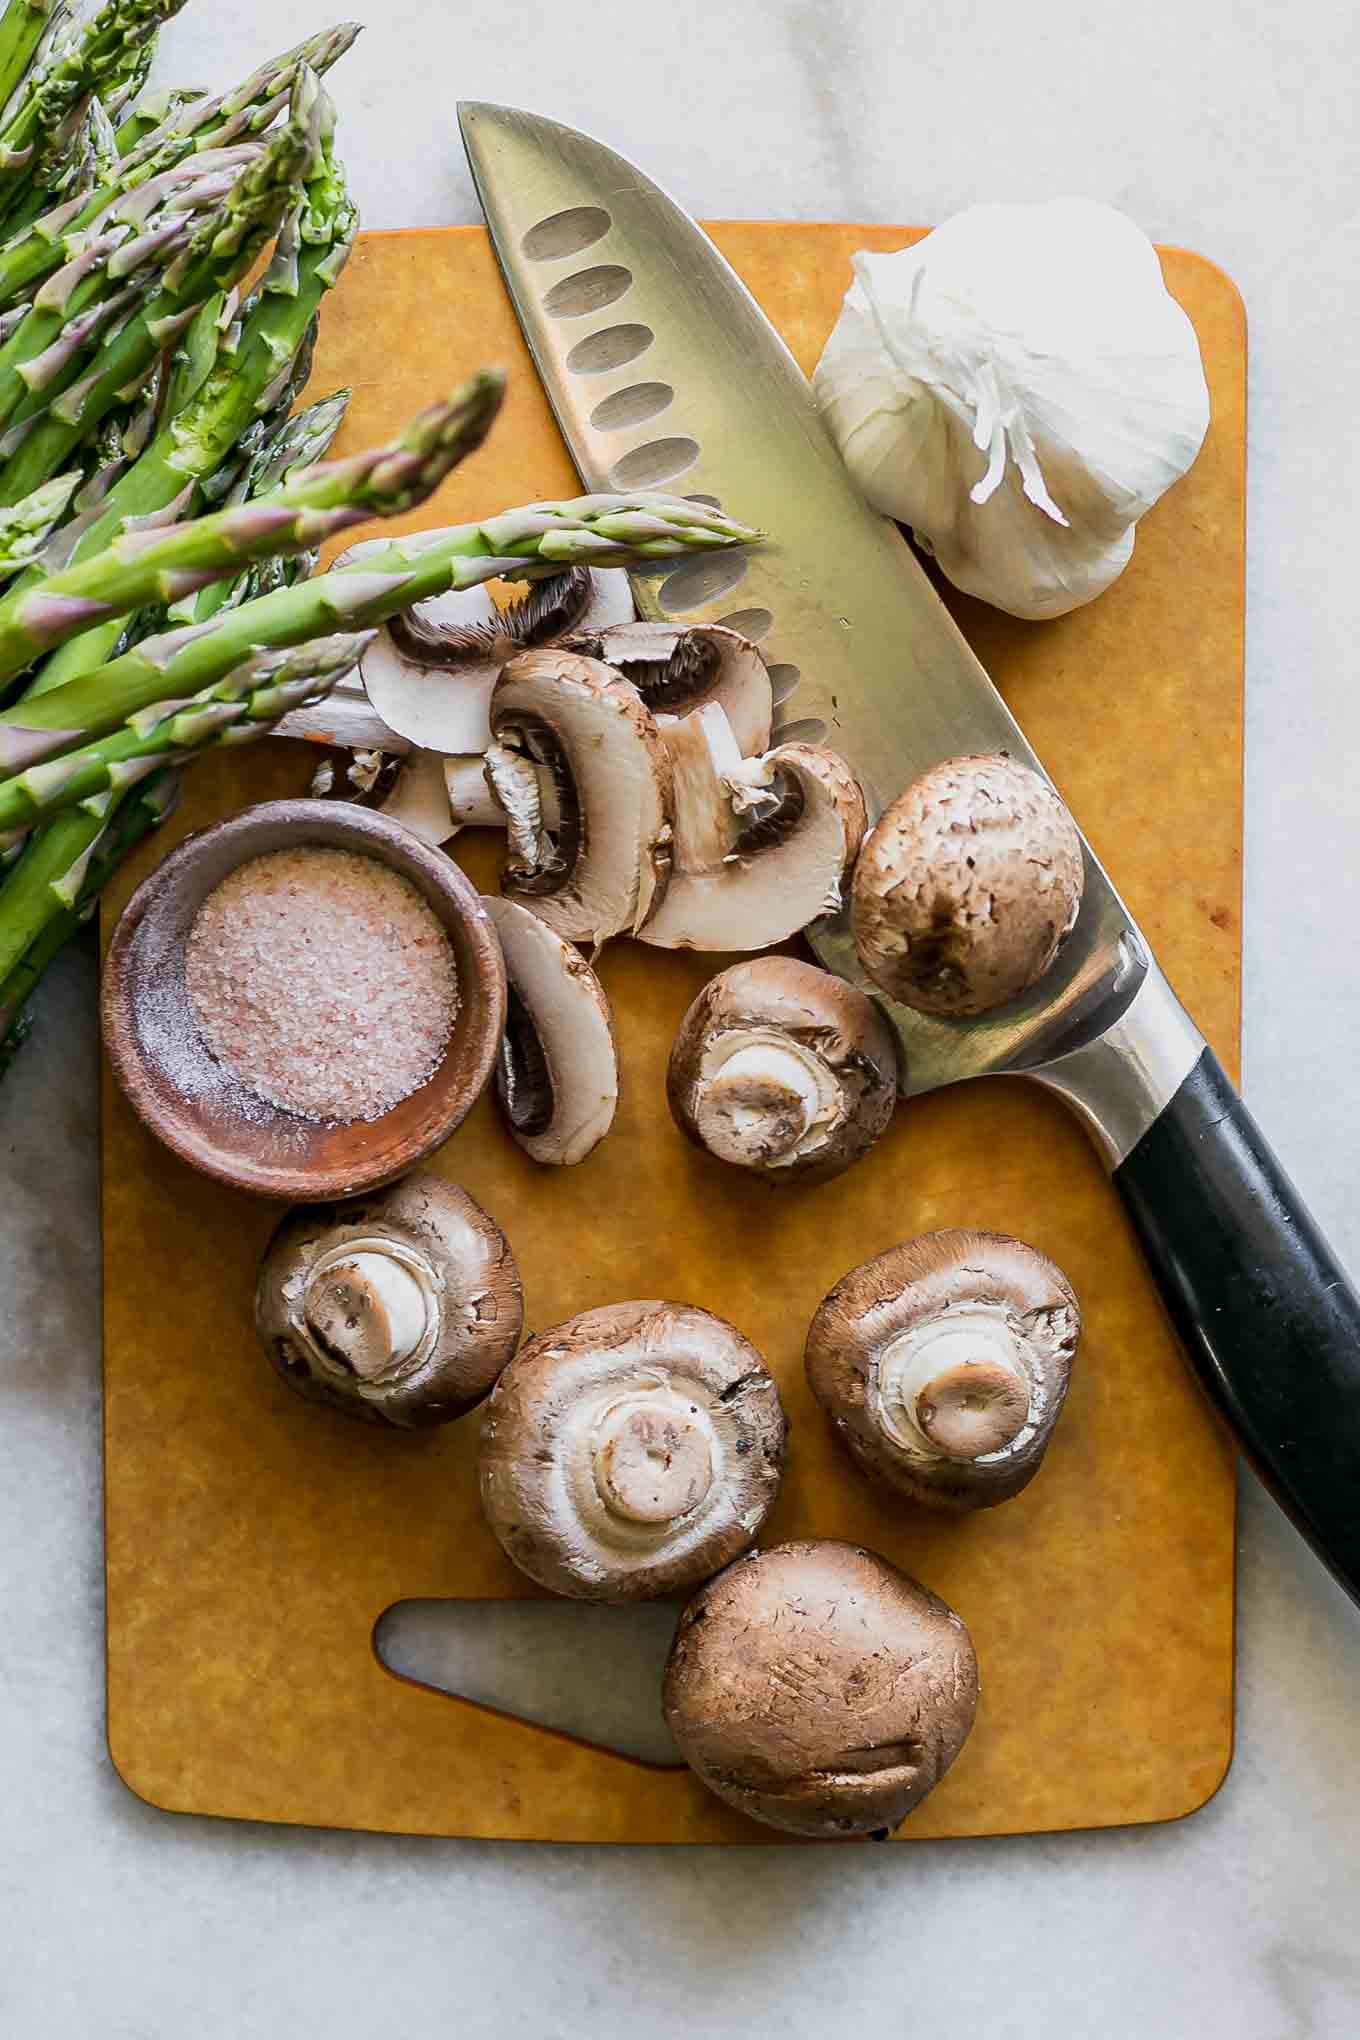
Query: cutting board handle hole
[[593, 1674]]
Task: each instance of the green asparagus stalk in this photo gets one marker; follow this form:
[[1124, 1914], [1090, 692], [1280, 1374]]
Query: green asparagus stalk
[[294, 443], [26, 526], [604, 531], [144, 809], [156, 110], [244, 705], [192, 137], [221, 251], [311, 505], [54, 96], [199, 440], [22, 27], [45, 881]]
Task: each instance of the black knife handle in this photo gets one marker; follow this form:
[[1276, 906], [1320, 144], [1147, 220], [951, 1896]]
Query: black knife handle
[[1267, 1315]]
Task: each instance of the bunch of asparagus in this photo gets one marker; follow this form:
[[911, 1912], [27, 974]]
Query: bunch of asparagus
[[161, 506]]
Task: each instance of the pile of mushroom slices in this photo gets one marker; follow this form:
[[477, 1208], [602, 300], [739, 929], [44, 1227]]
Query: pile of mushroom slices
[[632, 770]]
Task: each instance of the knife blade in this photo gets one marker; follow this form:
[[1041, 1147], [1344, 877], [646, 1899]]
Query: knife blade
[[662, 371]]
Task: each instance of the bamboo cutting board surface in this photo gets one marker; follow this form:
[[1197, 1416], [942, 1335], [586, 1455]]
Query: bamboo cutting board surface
[[253, 1542]]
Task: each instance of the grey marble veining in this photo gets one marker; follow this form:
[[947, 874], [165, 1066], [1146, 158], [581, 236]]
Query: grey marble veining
[[1225, 127]]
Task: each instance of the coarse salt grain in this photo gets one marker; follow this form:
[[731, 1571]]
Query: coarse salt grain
[[323, 981]]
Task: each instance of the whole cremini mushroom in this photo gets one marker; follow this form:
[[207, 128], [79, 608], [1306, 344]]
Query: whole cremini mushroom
[[819, 1689], [966, 886], [944, 1363], [782, 1068], [402, 1307], [631, 1452]]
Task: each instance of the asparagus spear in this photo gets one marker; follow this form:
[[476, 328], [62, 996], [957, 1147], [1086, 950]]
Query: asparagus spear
[[22, 27], [154, 111], [312, 504], [294, 443], [246, 704], [55, 92], [606, 531], [191, 136], [197, 441], [26, 526], [220, 252], [143, 810]]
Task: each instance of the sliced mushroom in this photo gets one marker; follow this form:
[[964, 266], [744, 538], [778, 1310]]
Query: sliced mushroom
[[678, 668], [557, 1078], [762, 845], [819, 1689], [430, 671], [402, 1307], [420, 800], [943, 1365], [783, 1068], [631, 1451], [966, 887], [571, 723]]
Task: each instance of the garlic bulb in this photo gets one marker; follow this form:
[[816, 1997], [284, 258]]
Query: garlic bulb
[[1019, 388]]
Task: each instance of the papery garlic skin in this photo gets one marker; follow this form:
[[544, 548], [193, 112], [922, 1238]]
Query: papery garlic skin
[[1018, 388]]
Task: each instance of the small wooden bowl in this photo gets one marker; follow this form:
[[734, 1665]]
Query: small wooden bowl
[[196, 1106]]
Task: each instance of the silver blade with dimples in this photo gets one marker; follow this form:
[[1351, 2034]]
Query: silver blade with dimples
[[663, 372]]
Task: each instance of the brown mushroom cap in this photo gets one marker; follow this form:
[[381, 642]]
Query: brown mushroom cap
[[401, 1307], [820, 1690], [966, 887], [944, 1363], [631, 1452], [783, 1068]]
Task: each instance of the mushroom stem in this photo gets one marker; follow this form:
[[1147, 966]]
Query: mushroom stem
[[369, 1310], [652, 1464], [958, 1385], [762, 1102]]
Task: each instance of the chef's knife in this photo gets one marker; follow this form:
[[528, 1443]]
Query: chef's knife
[[664, 372]]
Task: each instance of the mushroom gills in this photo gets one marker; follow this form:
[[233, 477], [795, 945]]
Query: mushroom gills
[[575, 723], [557, 1078], [523, 1084], [679, 669], [761, 845], [431, 670]]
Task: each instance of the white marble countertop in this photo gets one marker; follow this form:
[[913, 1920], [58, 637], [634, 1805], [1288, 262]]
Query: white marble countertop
[[1231, 129]]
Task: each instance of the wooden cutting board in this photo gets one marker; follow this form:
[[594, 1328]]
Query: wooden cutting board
[[253, 1542]]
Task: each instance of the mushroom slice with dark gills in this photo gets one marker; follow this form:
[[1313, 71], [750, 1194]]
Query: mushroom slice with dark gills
[[819, 1689], [944, 1364], [631, 1452], [402, 1307], [762, 845], [966, 887], [782, 1068], [679, 668], [572, 724], [430, 671], [557, 1079]]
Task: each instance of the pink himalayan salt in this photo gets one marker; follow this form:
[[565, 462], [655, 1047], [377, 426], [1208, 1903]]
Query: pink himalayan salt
[[323, 981]]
